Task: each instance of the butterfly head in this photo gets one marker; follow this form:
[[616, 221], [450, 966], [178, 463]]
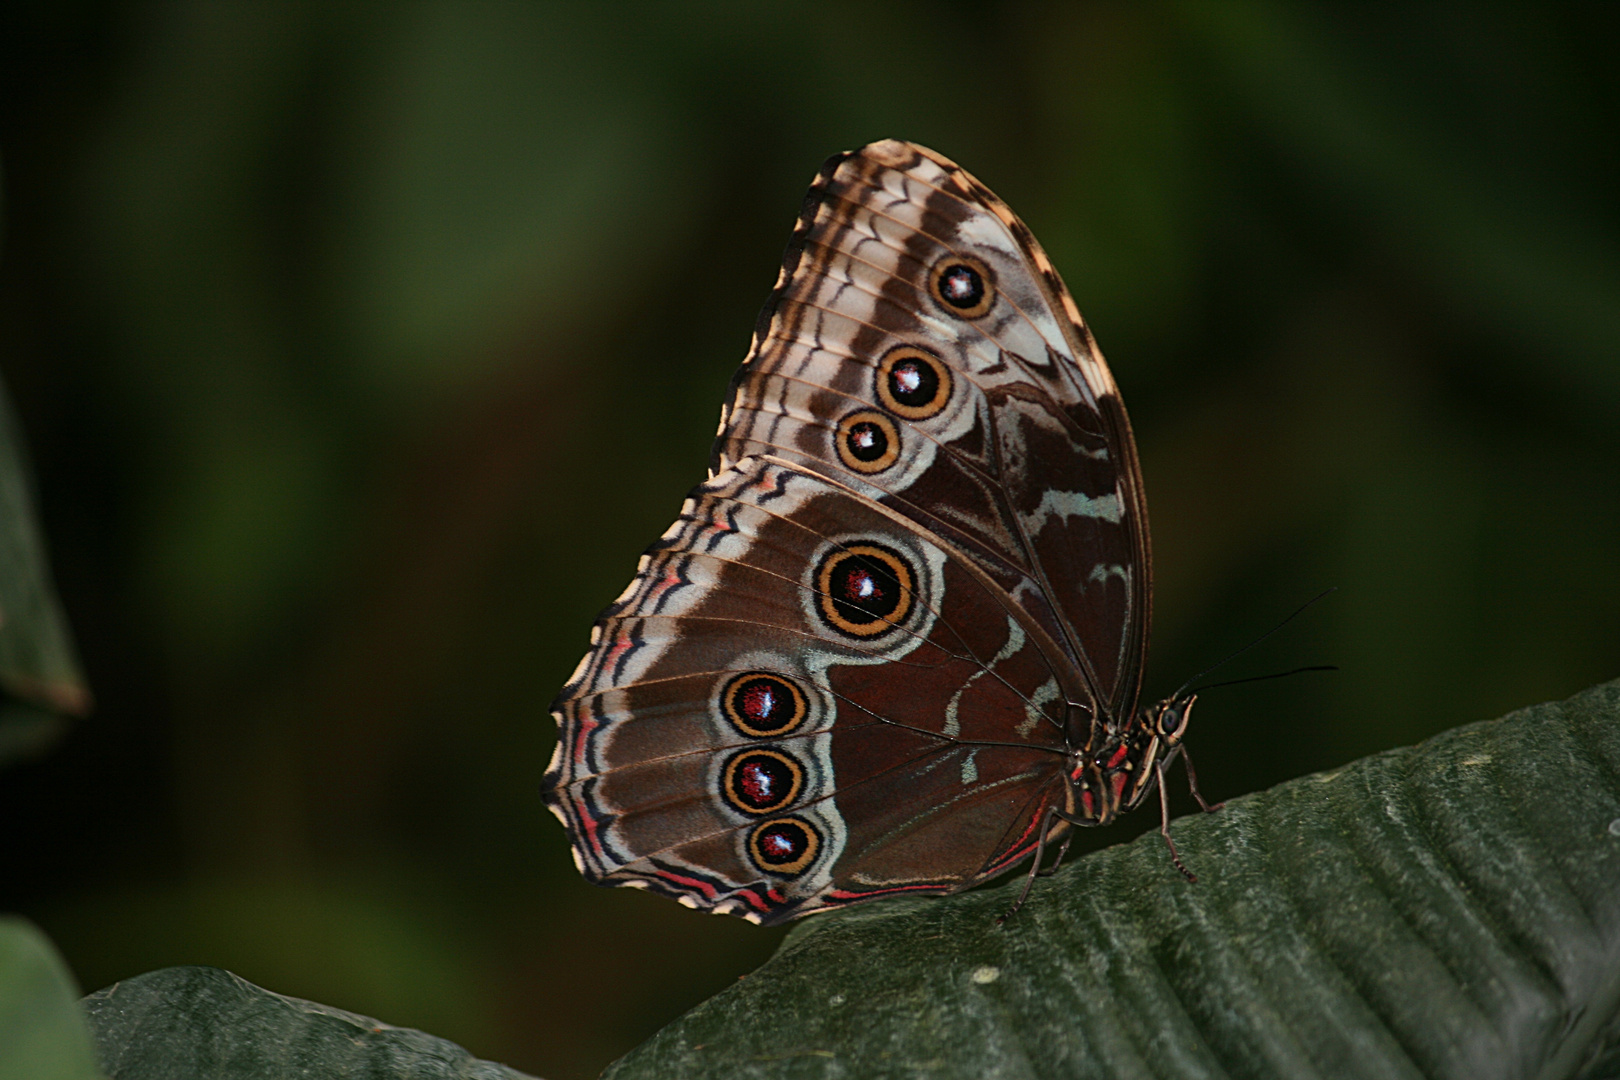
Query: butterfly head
[[1119, 775], [1168, 719]]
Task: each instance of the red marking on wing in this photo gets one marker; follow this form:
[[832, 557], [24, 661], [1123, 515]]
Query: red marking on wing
[[690, 884], [582, 737], [847, 896], [622, 643], [587, 824], [670, 581], [1023, 845]]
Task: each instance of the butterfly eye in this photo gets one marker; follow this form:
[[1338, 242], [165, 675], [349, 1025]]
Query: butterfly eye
[[962, 285], [1174, 716], [868, 441], [912, 383], [762, 705], [864, 590], [784, 845], [759, 781]]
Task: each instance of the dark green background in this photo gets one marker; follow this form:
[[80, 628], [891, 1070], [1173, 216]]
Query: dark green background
[[361, 348]]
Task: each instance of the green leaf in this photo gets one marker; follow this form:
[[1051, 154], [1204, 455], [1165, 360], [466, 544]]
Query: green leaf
[[42, 1030], [39, 673], [201, 1023], [1446, 910]]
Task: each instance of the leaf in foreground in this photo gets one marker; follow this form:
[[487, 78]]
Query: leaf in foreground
[[42, 1031], [201, 1023], [1445, 910]]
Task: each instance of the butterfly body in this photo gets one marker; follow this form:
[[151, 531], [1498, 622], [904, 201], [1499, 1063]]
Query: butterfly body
[[894, 643]]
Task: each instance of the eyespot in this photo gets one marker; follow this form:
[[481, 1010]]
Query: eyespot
[[912, 383], [762, 705], [868, 442], [785, 846], [962, 285], [863, 590], [759, 781]]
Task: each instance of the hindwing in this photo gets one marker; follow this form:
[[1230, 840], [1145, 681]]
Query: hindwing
[[790, 654]]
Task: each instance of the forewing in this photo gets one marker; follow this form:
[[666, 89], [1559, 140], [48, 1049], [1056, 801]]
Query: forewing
[[1024, 462]]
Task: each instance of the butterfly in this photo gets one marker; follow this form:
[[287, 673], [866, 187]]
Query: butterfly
[[894, 644]]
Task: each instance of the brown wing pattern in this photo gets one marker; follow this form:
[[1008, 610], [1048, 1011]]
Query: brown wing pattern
[[913, 587], [1026, 463], [949, 698]]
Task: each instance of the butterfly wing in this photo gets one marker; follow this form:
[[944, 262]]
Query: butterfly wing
[[920, 347], [847, 670], [804, 700]]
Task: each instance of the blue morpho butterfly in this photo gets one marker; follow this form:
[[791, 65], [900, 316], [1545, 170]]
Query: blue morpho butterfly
[[894, 643]]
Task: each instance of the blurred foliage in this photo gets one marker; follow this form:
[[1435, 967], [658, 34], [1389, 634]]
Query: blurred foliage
[[361, 348], [40, 681]]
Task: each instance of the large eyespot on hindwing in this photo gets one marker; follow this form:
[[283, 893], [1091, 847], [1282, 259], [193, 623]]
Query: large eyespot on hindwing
[[785, 846], [962, 285], [868, 442], [913, 383], [763, 705], [759, 781], [864, 590]]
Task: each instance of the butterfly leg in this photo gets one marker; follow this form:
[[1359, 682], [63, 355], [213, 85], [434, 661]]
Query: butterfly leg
[[1063, 850], [1052, 814], [1164, 829], [1192, 783]]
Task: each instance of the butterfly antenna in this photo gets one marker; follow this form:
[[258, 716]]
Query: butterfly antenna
[[1222, 663], [1263, 678]]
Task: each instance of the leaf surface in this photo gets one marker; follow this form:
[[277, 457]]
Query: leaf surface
[[1445, 910], [201, 1023]]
